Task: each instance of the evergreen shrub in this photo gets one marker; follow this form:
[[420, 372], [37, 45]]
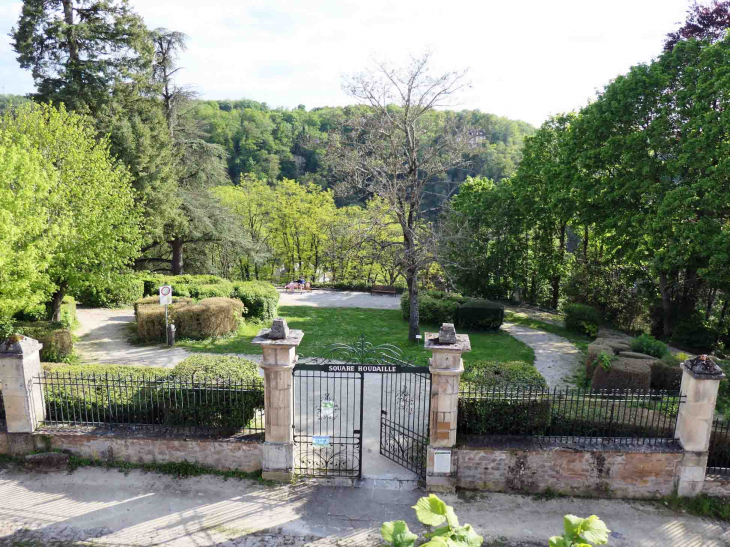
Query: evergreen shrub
[[582, 319], [120, 290], [208, 318], [649, 345], [480, 315], [261, 299]]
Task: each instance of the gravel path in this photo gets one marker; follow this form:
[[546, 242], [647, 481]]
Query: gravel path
[[339, 299], [555, 357]]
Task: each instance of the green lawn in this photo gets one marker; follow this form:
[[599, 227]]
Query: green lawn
[[324, 326]]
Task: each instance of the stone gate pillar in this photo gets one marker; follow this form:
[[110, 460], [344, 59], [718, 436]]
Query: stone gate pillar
[[279, 346], [446, 368], [700, 383], [20, 363]]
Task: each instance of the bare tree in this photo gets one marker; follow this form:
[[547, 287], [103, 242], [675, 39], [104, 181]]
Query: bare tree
[[392, 148]]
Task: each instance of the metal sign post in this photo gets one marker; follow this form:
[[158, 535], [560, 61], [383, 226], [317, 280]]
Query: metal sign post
[[166, 300]]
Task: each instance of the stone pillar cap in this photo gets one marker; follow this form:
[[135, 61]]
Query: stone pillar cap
[[19, 345], [447, 334], [433, 343], [292, 340], [279, 329], [697, 375]]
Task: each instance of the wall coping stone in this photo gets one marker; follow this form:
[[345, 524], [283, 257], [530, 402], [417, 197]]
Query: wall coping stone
[[291, 341], [465, 442], [142, 432], [20, 345], [431, 342]]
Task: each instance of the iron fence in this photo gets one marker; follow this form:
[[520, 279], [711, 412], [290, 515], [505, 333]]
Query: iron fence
[[2, 407], [718, 457], [221, 405], [568, 415]]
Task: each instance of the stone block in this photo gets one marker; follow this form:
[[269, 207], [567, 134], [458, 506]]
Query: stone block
[[690, 489], [277, 457]]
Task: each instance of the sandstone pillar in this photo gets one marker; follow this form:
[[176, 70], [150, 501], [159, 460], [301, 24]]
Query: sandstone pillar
[[20, 365], [700, 385], [446, 368], [279, 357]]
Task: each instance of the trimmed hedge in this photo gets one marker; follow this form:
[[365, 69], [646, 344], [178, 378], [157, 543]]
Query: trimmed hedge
[[58, 343], [172, 405], [208, 318], [665, 376], [434, 307], [480, 315], [261, 299], [649, 345], [155, 301], [582, 319], [493, 374], [633, 374], [503, 417], [593, 357], [118, 291]]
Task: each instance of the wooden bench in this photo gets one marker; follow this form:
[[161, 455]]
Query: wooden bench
[[383, 289]]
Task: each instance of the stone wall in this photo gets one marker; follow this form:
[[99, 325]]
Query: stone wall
[[140, 447], [716, 485], [594, 470]]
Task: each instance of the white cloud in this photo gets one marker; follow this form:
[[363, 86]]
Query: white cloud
[[527, 59]]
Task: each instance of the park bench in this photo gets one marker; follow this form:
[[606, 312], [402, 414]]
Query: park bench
[[383, 289]]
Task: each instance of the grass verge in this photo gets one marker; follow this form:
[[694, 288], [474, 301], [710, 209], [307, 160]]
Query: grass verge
[[325, 326], [701, 506]]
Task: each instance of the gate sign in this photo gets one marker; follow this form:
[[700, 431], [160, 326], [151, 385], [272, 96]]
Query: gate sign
[[364, 368], [165, 295], [321, 440]]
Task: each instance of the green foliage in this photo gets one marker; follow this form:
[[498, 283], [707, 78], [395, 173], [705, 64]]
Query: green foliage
[[666, 375], [633, 374], [433, 512], [182, 402], [582, 319], [58, 345], [605, 360], [480, 315], [434, 307], [581, 532], [702, 506], [694, 334], [95, 216], [113, 291], [649, 345], [527, 416], [495, 374], [260, 299]]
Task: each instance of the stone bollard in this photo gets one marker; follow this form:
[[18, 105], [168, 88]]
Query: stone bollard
[[20, 364], [694, 424], [446, 368], [279, 357]]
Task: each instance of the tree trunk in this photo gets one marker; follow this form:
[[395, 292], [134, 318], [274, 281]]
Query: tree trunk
[[413, 326], [585, 243], [177, 256], [710, 303], [56, 302], [666, 304], [68, 18], [556, 278]]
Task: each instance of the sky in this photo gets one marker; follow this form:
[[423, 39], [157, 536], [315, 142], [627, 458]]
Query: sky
[[526, 59]]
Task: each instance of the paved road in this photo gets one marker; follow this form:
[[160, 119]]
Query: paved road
[[112, 508]]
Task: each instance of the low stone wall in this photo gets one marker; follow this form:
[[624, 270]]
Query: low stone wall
[[140, 446], [602, 470], [716, 485]]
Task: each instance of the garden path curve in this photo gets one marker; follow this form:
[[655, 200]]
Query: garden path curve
[[556, 358]]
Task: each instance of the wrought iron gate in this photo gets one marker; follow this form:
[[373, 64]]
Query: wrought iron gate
[[328, 410], [404, 417]]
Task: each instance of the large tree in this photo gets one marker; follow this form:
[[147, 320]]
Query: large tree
[[709, 22], [393, 148], [78, 50], [92, 200]]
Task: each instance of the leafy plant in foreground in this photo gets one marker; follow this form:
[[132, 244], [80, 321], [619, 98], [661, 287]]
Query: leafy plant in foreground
[[431, 511], [581, 532]]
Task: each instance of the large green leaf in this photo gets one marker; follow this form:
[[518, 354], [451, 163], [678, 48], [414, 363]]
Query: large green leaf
[[466, 536], [397, 534], [431, 511], [557, 541], [593, 530]]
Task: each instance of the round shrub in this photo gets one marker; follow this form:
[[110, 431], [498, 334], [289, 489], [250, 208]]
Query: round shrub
[[633, 374], [233, 408], [155, 301], [480, 315], [118, 291], [582, 319], [208, 318], [261, 299], [493, 374], [649, 345]]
